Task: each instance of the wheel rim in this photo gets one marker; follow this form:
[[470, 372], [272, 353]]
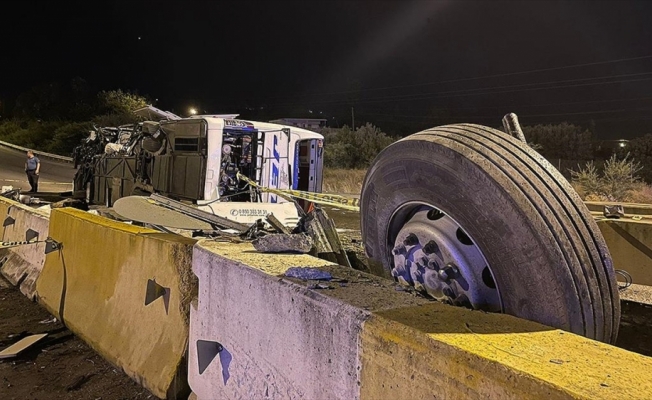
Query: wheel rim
[[434, 254]]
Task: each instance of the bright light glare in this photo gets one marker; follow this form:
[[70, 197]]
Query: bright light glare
[[622, 144], [193, 111]]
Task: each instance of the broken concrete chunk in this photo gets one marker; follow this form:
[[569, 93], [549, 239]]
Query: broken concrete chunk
[[282, 243], [278, 225], [318, 285], [22, 344]]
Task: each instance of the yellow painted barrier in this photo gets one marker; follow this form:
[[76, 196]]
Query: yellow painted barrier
[[124, 290], [5, 203], [630, 245], [257, 334], [21, 265], [437, 351]]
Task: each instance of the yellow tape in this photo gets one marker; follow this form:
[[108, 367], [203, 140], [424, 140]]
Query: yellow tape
[[7, 245], [346, 203]]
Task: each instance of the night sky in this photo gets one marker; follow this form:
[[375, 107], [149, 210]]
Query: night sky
[[402, 65]]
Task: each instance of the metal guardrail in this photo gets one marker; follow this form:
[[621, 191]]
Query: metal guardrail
[[39, 153]]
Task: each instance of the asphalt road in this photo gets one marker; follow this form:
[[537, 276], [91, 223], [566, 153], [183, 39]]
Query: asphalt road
[[55, 176]]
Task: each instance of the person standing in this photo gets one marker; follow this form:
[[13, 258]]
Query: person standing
[[32, 168]]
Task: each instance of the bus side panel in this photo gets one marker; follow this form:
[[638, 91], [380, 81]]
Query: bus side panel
[[161, 173], [318, 170], [187, 177], [276, 173]]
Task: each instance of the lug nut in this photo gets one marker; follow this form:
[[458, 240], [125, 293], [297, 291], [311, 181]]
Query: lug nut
[[411, 240], [430, 247], [433, 265], [400, 249], [443, 275], [448, 292], [448, 272]]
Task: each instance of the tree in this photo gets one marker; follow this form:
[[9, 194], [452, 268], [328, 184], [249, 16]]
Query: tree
[[563, 141], [119, 102], [641, 151], [67, 136], [345, 148]]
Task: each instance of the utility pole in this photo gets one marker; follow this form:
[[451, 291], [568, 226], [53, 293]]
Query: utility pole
[[352, 119]]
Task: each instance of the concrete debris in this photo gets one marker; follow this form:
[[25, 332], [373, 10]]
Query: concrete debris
[[282, 243], [322, 230], [276, 224], [22, 344], [318, 285], [613, 211], [309, 274]]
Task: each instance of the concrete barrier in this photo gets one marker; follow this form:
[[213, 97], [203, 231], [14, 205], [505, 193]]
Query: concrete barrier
[[22, 265], [630, 245], [124, 290], [628, 208], [255, 334], [5, 204]]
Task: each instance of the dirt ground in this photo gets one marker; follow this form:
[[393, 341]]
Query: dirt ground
[[61, 366]]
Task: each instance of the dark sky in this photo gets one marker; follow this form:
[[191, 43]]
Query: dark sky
[[402, 65]]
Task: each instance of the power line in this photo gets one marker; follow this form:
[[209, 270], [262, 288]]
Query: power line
[[477, 77], [525, 85], [497, 119], [544, 104], [461, 93], [520, 115]]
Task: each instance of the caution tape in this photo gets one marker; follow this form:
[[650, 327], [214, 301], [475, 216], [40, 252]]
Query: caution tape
[[8, 245], [346, 203]]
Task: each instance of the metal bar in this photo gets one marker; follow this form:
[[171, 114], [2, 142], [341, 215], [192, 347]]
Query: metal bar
[[512, 127], [199, 214]]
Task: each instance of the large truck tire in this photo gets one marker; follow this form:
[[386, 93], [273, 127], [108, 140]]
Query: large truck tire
[[476, 218]]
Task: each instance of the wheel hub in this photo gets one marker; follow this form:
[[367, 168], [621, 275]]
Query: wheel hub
[[436, 256]]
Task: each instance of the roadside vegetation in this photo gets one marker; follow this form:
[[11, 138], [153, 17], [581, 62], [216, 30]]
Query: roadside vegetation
[[55, 117], [596, 174], [346, 148], [618, 180], [347, 155], [343, 181]]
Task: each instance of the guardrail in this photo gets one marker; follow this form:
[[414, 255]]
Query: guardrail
[[40, 153]]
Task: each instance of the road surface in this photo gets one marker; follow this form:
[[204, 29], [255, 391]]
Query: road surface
[[55, 176]]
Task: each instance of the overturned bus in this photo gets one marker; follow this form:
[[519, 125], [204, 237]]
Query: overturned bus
[[198, 160]]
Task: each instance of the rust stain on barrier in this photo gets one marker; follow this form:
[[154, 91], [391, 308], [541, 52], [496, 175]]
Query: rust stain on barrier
[[181, 258]]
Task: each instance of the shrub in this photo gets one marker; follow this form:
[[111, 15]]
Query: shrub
[[616, 183], [66, 137], [641, 150], [345, 148], [562, 141]]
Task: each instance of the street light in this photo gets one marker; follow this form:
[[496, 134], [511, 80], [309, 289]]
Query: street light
[[193, 111]]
